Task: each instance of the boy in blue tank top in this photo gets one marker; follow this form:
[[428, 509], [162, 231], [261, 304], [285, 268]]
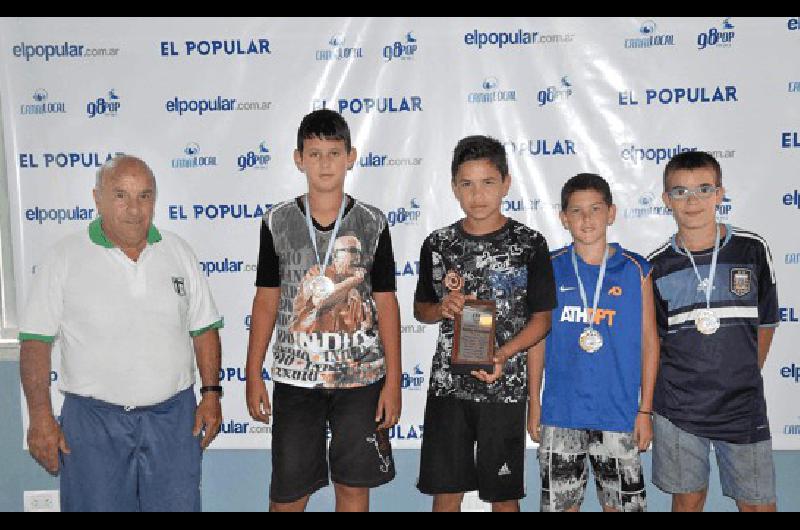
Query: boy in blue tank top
[[601, 351]]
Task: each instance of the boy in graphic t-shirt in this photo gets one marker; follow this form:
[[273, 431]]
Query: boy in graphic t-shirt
[[488, 257], [325, 275]]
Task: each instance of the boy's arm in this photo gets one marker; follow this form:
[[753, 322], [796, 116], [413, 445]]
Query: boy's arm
[[428, 312], [651, 345], [264, 314], [765, 335], [768, 309], [428, 308], [384, 285], [535, 373], [643, 426], [541, 299], [390, 402], [534, 331], [433, 312]]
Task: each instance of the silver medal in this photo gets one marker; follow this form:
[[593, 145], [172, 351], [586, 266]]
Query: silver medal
[[591, 340], [706, 321], [321, 287]]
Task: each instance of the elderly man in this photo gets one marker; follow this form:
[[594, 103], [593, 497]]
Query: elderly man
[[131, 311]]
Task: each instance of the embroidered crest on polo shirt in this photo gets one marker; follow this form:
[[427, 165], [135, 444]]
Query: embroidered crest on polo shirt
[[741, 281], [178, 285]]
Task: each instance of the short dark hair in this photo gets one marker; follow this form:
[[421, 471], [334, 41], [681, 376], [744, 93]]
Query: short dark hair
[[693, 160], [585, 181], [479, 148], [325, 124]]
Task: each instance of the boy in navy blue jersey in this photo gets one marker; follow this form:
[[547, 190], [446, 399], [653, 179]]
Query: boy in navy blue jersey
[[717, 309], [601, 351], [498, 259]]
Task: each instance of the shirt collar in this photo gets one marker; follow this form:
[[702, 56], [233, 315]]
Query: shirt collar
[[679, 248], [99, 237], [613, 259]]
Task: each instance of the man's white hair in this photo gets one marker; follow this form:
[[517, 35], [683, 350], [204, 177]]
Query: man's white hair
[[111, 165]]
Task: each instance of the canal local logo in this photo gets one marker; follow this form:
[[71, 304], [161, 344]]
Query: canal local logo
[[490, 93], [41, 105], [193, 159]]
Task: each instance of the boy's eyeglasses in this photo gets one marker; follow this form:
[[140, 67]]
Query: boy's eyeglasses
[[701, 192]]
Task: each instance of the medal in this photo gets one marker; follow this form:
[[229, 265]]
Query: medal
[[705, 320], [591, 340], [453, 281], [322, 286]]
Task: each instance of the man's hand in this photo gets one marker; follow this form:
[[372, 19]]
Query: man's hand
[[208, 417], [45, 439], [389, 407], [500, 358], [643, 431], [534, 420], [258, 400]]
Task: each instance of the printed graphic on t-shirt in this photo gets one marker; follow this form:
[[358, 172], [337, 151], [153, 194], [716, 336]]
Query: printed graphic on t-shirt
[[493, 267], [330, 310], [327, 327], [333, 302]]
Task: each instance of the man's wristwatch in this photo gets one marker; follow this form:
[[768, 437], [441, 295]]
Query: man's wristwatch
[[214, 388]]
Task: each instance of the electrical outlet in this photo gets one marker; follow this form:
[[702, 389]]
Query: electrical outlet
[[472, 503], [41, 501]]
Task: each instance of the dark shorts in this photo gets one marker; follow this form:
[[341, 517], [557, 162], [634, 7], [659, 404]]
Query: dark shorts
[[360, 456], [139, 459], [450, 462]]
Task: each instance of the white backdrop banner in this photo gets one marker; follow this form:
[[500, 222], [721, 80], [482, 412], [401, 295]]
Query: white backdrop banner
[[213, 106]]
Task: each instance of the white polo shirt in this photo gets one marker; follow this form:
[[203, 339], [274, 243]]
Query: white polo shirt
[[125, 328]]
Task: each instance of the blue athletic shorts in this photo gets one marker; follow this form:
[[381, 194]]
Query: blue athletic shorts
[[139, 459]]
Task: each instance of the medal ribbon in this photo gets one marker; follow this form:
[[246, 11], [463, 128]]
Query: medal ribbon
[[597, 288], [711, 273], [333, 234]]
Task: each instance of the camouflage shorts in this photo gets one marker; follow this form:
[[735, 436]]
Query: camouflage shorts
[[615, 461]]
